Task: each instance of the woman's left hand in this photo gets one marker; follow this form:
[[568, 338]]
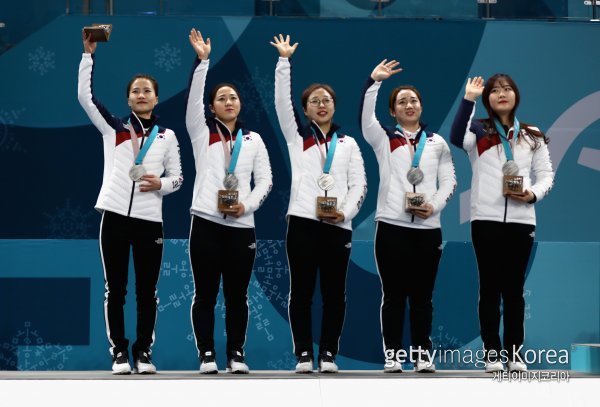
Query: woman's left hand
[[339, 217], [240, 210], [150, 183], [526, 197], [423, 213]]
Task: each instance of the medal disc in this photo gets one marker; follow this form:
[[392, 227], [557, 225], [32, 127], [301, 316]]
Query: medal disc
[[326, 182], [510, 168], [137, 172], [230, 182], [415, 175]]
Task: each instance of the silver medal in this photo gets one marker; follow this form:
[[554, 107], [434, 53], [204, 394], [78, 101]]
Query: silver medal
[[415, 175], [230, 182], [326, 182], [510, 168], [137, 172]]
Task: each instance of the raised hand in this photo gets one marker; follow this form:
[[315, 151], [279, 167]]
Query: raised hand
[[385, 69], [283, 46], [89, 46], [201, 47], [474, 88]]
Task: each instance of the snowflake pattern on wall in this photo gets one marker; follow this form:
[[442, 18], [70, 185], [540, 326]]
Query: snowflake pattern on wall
[[257, 92], [41, 61], [69, 222], [27, 350], [167, 57], [7, 141]]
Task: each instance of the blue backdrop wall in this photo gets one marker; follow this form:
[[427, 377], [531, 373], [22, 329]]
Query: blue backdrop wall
[[51, 160]]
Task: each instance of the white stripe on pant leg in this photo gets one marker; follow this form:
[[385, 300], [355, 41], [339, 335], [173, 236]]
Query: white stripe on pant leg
[[106, 291], [156, 291], [382, 292], [287, 231], [194, 279]]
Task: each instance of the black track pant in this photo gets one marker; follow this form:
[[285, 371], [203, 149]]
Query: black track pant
[[407, 262], [502, 251], [119, 234], [312, 245], [217, 250]]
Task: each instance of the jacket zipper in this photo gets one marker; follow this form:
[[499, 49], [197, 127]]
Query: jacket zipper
[[412, 219], [505, 207]]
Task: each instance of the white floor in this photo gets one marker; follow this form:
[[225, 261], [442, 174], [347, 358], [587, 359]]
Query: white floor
[[285, 389]]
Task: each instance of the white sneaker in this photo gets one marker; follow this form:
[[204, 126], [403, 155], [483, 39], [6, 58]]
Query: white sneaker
[[208, 364], [392, 367], [143, 364], [121, 364], [516, 366], [237, 365], [423, 366], [327, 363], [305, 363], [491, 367]]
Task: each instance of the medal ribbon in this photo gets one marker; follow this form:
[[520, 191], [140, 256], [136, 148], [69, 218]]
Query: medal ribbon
[[504, 138], [420, 147], [231, 158], [330, 153], [137, 154]]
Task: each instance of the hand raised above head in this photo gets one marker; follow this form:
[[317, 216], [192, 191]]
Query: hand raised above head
[[89, 46], [283, 46], [474, 88], [385, 69], [201, 47]]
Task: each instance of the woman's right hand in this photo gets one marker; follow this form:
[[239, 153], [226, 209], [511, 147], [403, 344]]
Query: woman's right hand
[[474, 88], [201, 47], [283, 46], [89, 46], [384, 70]]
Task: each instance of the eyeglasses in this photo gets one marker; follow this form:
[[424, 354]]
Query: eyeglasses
[[317, 102]]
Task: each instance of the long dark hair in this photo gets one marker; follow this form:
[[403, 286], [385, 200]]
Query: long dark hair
[[503, 79]]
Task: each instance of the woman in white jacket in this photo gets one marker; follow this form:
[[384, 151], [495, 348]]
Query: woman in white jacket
[[408, 239], [326, 164], [502, 225], [222, 239], [141, 165]]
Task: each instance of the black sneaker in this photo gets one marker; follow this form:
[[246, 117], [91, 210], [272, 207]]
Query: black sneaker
[[208, 365], [236, 364], [143, 363], [305, 363], [327, 363], [121, 363]]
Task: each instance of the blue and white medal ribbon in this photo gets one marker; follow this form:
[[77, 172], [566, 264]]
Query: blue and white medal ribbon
[[326, 181], [231, 182], [415, 175], [137, 171], [510, 167]]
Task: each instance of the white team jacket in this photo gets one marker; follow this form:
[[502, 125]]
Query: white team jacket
[[394, 158], [210, 159], [487, 157], [347, 167], [119, 193]]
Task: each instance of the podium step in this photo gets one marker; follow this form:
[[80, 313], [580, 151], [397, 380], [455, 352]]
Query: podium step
[[585, 357]]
